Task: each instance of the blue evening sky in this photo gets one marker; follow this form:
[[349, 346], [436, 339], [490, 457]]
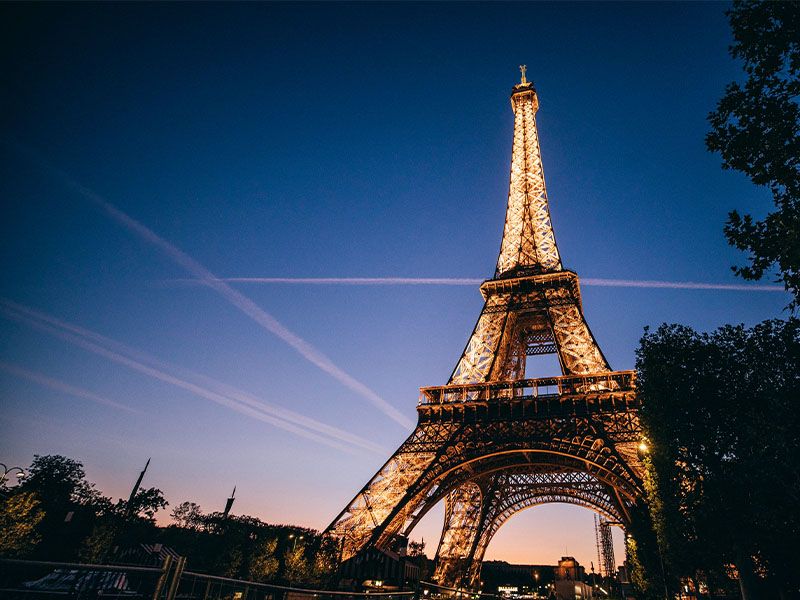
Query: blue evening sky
[[330, 140]]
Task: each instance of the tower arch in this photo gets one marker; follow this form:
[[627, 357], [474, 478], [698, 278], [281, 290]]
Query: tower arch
[[506, 493]]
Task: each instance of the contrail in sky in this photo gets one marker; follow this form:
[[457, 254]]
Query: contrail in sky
[[351, 280], [681, 285], [234, 297], [60, 386], [591, 281], [272, 325], [207, 387]]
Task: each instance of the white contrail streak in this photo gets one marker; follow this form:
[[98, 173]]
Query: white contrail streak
[[60, 386], [459, 281], [354, 280], [681, 285], [213, 390], [239, 300], [166, 378]]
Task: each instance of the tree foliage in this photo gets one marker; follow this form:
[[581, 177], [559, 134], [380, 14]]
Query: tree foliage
[[296, 568], [245, 547], [264, 563], [59, 481], [146, 503], [416, 548], [188, 515], [69, 503], [79, 521], [642, 552], [20, 514], [756, 130], [98, 546], [57, 515], [720, 411]]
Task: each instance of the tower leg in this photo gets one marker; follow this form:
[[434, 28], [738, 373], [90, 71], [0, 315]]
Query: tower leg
[[462, 526], [368, 512]]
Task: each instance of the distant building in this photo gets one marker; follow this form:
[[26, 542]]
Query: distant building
[[504, 579], [571, 580], [380, 569]]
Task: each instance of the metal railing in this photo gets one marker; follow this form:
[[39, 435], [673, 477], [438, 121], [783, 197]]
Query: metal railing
[[199, 586], [47, 580], [38, 579], [545, 387]]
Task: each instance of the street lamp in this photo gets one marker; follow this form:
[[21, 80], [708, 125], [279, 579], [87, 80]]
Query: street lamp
[[7, 470], [294, 544]]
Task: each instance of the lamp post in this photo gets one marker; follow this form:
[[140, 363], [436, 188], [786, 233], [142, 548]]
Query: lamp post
[[6, 471], [294, 544]]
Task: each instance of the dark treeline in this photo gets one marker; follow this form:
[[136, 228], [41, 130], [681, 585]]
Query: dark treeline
[[54, 513], [720, 411]]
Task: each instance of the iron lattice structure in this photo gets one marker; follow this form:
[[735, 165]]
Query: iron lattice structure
[[605, 546], [491, 443]]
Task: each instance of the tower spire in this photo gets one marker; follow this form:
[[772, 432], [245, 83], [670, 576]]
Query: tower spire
[[529, 244]]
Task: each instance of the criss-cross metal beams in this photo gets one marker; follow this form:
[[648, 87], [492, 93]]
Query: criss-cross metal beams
[[462, 521], [448, 447], [544, 305], [528, 238], [479, 355], [472, 519], [605, 546]]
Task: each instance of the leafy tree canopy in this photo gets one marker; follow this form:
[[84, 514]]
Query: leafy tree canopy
[[264, 563], [55, 514], [57, 480], [720, 412], [416, 548], [19, 516], [146, 503], [188, 515], [756, 129]]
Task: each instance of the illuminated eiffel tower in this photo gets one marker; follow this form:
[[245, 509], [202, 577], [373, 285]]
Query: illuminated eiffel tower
[[491, 443]]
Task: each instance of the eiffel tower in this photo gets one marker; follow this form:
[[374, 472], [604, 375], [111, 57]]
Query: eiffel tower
[[491, 443]]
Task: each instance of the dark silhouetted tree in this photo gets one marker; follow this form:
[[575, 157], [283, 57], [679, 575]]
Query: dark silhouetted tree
[[146, 503], [69, 502], [57, 480], [756, 129], [416, 548], [98, 546], [325, 560], [188, 515], [723, 486]]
